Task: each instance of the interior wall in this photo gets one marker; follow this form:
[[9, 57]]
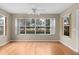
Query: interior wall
[[6, 38], [78, 33], [35, 37], [71, 41], [78, 28], [77, 25]]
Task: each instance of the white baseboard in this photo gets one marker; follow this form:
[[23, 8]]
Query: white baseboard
[[4, 43], [69, 46], [35, 40]]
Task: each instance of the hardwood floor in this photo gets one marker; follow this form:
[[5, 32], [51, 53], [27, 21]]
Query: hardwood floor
[[35, 48]]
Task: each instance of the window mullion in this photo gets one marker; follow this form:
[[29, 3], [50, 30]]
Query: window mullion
[[45, 26], [4, 25], [25, 26], [50, 26], [35, 26], [19, 25]]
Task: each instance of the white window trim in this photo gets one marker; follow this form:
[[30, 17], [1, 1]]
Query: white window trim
[[35, 26], [77, 28], [3, 26], [64, 25]]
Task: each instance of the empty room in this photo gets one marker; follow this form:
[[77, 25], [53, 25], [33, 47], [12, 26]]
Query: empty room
[[39, 29]]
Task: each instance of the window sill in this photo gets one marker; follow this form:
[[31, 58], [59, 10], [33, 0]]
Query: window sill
[[36, 34]]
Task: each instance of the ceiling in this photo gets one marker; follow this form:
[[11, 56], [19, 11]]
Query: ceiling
[[43, 8]]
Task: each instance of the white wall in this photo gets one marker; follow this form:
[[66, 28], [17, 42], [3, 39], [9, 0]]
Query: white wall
[[71, 41], [78, 33], [5, 39], [35, 37], [77, 27]]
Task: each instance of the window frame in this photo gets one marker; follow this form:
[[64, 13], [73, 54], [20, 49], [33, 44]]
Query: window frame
[[35, 26], [3, 25], [69, 15]]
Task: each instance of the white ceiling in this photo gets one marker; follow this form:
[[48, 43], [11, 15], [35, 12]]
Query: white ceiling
[[44, 8]]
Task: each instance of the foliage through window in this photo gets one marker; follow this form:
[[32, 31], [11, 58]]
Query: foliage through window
[[35, 26]]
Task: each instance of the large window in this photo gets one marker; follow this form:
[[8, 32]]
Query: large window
[[2, 25], [35, 26]]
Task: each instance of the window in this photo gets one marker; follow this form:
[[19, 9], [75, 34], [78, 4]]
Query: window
[[67, 25], [35, 26], [47, 26], [30, 26], [2, 25], [22, 26], [40, 26]]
